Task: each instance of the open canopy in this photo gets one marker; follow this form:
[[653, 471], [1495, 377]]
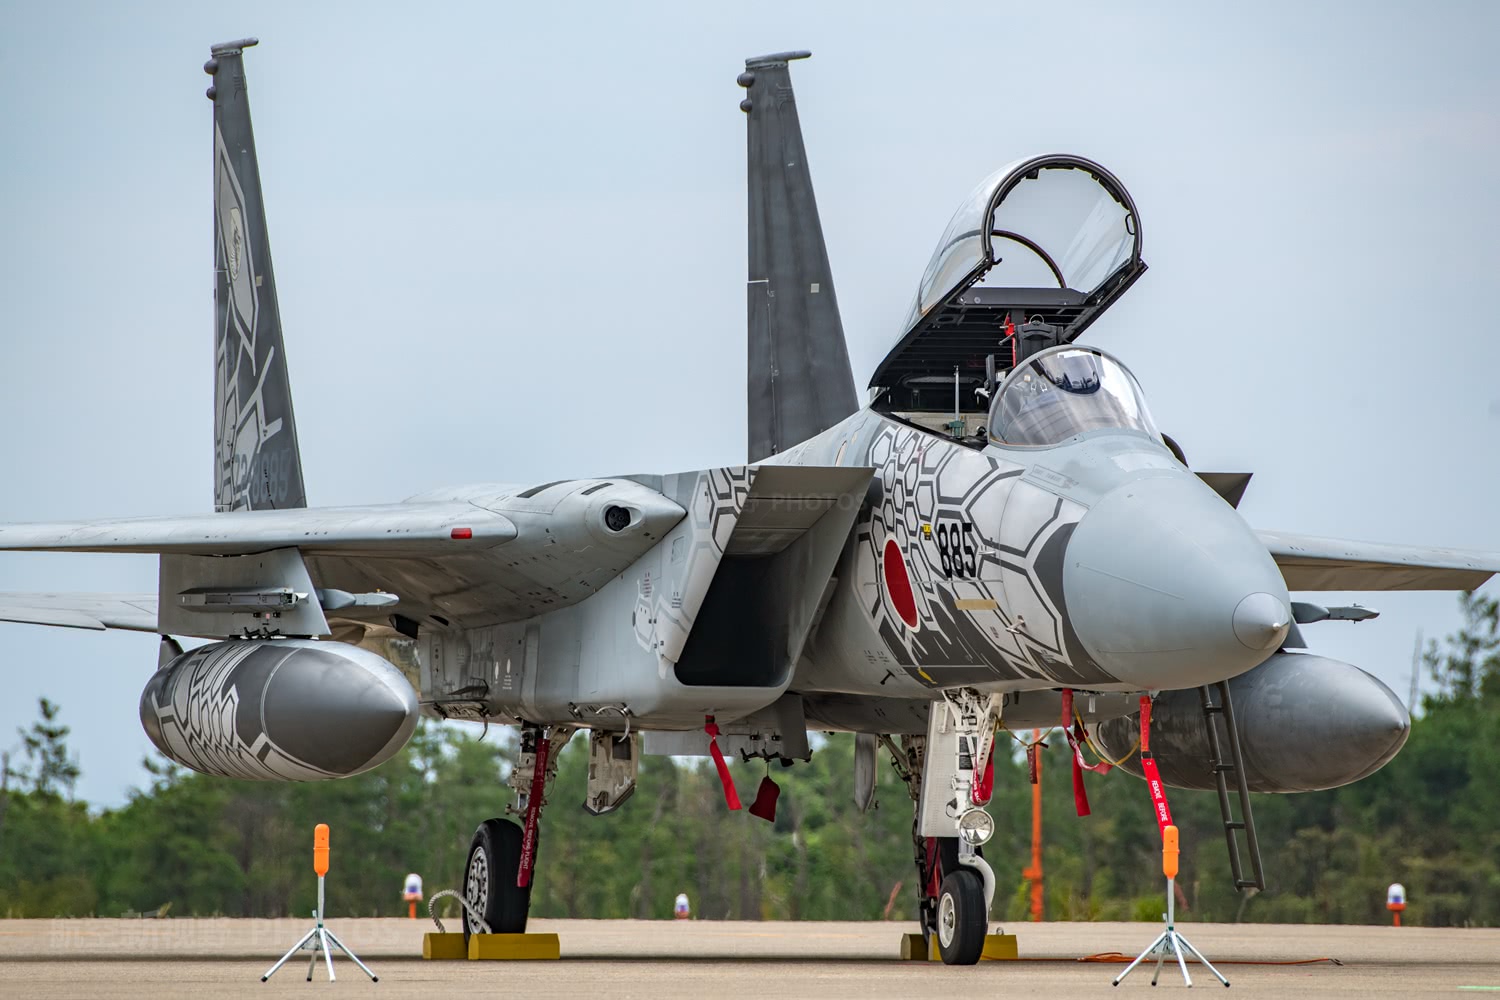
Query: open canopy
[[1035, 253]]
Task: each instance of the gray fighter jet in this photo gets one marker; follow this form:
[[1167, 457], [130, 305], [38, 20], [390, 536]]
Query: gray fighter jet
[[1001, 537]]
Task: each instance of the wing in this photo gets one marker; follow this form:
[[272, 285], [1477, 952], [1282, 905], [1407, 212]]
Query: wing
[[133, 612], [476, 556], [421, 529], [1311, 563]]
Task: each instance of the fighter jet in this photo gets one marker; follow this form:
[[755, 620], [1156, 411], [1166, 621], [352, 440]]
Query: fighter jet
[[1002, 537]]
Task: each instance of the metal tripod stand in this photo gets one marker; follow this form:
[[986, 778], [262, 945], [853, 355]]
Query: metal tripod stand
[[320, 937], [1170, 944]]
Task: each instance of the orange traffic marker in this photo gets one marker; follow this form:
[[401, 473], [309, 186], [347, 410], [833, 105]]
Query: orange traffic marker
[[320, 938], [320, 849], [1169, 943]]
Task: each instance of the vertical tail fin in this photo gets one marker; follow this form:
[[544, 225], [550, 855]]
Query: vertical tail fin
[[256, 462], [800, 383]]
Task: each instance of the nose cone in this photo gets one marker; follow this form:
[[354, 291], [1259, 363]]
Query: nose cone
[[1167, 587], [1261, 621]]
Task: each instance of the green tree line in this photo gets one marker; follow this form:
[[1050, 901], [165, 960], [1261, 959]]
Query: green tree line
[[213, 846]]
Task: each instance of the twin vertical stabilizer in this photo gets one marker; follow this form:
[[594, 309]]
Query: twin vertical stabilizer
[[800, 383], [256, 462]]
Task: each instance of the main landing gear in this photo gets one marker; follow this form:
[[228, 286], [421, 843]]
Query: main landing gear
[[948, 774], [502, 855]]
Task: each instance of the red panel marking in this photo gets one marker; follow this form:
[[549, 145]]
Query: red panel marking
[[898, 584], [462, 533]]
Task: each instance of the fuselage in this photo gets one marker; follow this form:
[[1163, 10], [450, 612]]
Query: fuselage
[[1099, 563]]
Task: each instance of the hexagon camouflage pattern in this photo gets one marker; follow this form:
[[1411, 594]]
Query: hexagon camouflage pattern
[[984, 549]]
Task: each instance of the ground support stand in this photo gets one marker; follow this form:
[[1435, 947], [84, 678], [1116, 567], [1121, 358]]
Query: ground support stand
[[320, 937], [1170, 944]]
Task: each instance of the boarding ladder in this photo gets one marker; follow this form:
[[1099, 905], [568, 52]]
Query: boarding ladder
[[1215, 715]]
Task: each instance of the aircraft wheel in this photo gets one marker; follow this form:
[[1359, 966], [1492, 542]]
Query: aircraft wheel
[[962, 921], [490, 878]]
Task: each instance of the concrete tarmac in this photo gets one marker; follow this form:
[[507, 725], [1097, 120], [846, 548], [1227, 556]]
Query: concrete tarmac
[[218, 959]]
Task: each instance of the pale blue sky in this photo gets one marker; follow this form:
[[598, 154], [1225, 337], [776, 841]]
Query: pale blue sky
[[509, 242]]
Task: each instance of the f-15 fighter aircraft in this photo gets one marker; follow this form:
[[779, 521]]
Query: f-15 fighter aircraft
[[1002, 536]]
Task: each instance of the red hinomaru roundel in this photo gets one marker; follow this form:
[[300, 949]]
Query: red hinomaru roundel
[[898, 584]]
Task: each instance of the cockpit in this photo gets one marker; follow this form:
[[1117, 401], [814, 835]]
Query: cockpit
[[1067, 391], [1031, 258]]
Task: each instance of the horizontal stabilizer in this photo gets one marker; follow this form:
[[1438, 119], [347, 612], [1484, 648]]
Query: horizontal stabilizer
[[431, 529], [132, 612], [1311, 563]]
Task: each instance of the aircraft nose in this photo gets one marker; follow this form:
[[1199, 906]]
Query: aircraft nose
[[1167, 587]]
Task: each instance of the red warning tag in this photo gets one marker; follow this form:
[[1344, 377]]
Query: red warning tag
[[1158, 793]]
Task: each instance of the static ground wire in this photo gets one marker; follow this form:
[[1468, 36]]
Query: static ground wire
[[1095, 747], [1042, 741]]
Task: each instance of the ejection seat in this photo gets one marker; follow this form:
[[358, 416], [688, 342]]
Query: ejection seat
[[1031, 258]]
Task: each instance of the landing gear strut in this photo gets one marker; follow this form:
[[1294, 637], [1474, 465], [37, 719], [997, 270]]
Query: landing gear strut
[[947, 774], [498, 870]]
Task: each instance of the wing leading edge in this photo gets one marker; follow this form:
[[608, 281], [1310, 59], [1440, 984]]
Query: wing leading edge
[[1308, 562], [426, 529], [480, 555]]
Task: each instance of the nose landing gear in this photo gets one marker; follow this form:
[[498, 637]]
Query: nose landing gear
[[945, 773]]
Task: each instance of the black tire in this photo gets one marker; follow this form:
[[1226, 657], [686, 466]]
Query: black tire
[[489, 880], [962, 921], [947, 861]]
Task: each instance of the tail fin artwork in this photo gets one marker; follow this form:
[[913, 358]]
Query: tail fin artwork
[[800, 383], [256, 462]]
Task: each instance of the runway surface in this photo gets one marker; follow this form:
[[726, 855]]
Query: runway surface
[[223, 958]]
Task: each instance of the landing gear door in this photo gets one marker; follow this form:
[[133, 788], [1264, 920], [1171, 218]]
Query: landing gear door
[[938, 807], [1032, 257]]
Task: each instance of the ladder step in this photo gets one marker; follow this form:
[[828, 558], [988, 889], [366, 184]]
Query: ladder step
[[1223, 768], [1234, 825]]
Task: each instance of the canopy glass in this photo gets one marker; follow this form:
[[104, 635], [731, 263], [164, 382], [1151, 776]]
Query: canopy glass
[[1050, 241]]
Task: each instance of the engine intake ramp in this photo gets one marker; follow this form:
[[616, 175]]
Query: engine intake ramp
[[777, 563]]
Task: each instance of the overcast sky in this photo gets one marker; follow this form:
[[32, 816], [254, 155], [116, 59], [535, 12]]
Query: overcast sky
[[509, 242]]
